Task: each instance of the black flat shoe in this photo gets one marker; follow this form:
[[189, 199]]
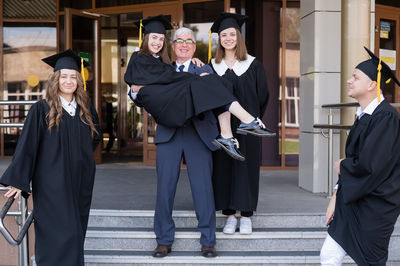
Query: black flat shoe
[[255, 128], [230, 146]]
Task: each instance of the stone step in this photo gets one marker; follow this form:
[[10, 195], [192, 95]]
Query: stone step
[[187, 219], [117, 257], [273, 239]]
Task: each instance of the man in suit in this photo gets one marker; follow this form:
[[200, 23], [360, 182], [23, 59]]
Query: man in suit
[[193, 141]]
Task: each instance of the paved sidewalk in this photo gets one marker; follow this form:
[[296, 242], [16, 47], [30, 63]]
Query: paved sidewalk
[[133, 187]]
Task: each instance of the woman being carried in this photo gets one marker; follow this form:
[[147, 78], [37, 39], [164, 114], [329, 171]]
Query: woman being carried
[[173, 97]]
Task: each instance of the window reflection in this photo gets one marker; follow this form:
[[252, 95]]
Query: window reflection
[[23, 48], [199, 17]]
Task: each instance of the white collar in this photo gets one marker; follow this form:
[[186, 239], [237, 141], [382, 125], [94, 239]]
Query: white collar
[[370, 107], [64, 102], [240, 67], [186, 64]]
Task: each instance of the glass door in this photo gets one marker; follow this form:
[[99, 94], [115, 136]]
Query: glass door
[[149, 125], [130, 116], [387, 45], [82, 35]]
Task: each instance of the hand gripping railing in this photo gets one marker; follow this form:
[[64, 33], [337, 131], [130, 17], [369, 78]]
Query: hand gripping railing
[[25, 224]]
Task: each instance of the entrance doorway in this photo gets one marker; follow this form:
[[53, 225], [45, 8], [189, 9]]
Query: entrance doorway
[[81, 34], [387, 45], [129, 131]]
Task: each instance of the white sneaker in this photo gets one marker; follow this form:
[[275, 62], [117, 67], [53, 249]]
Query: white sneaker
[[245, 226], [230, 225]]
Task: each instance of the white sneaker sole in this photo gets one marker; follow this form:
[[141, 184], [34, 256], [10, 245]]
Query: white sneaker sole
[[229, 232]]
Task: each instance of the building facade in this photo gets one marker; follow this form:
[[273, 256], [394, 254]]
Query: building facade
[[104, 33], [298, 42]]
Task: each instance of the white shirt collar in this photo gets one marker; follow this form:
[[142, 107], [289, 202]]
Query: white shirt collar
[[70, 107], [186, 64], [370, 107], [240, 67]]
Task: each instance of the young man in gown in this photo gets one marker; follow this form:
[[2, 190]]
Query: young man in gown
[[364, 208]]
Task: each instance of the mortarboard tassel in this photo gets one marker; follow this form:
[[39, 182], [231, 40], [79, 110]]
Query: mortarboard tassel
[[140, 34], [209, 46], [83, 74], [378, 80]]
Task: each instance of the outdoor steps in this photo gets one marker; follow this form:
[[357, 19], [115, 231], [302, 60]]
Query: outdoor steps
[[126, 238]]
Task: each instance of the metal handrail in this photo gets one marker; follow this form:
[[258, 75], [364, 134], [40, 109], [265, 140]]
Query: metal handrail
[[23, 220], [25, 225], [6, 102], [330, 126], [5, 125]]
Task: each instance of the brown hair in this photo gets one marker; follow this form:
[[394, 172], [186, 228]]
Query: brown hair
[[53, 100], [240, 49], [163, 53]]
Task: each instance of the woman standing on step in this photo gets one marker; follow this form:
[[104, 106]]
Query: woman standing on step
[[55, 153], [236, 183]]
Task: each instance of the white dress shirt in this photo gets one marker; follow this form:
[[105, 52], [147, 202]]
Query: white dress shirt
[[186, 64], [70, 107], [370, 107]]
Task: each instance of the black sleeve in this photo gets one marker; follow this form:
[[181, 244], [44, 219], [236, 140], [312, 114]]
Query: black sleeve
[[148, 70], [97, 137], [362, 174], [22, 168], [262, 87]]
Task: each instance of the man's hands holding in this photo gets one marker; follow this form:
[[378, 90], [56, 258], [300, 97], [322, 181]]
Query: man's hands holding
[[136, 88]]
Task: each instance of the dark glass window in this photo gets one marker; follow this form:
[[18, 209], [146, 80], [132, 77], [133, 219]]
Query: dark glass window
[[77, 4], [109, 3]]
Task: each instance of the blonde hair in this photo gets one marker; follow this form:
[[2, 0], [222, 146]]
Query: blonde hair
[[240, 49], [53, 100]]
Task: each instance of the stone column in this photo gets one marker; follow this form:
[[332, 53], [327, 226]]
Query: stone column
[[324, 71], [356, 28], [320, 33]]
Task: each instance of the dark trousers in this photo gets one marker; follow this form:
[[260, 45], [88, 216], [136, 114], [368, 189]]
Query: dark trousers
[[199, 165], [242, 213]]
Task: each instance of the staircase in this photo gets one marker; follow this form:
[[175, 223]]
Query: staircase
[[127, 238]]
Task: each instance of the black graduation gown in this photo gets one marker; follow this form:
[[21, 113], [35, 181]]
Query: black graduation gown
[[368, 198], [236, 183], [174, 97], [61, 166]]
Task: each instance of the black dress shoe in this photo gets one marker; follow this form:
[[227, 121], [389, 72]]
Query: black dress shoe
[[255, 128], [161, 251], [208, 252], [230, 146]]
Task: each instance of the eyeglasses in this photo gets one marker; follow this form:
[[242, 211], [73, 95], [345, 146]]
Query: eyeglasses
[[180, 41]]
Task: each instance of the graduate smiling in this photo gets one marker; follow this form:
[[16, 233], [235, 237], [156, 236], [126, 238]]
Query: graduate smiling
[[55, 153], [364, 208]]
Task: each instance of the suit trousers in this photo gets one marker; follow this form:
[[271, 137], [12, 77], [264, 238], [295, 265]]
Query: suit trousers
[[199, 166]]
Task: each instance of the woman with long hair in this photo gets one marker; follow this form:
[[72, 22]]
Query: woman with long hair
[[236, 183], [175, 97], [55, 153]]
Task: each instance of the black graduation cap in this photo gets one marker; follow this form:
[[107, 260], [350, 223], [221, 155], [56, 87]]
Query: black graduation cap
[[228, 20], [370, 68], [156, 24], [65, 60], [378, 71]]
